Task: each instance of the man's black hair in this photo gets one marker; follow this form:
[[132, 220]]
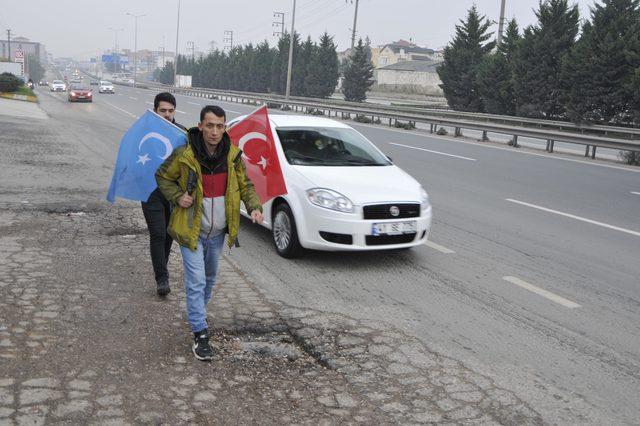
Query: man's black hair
[[214, 109], [163, 97]]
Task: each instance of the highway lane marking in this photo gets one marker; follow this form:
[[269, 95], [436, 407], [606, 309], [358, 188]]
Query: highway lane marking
[[150, 103], [511, 150], [435, 152], [132, 98], [181, 112], [438, 247], [583, 219], [120, 109], [542, 292], [193, 103], [636, 193]]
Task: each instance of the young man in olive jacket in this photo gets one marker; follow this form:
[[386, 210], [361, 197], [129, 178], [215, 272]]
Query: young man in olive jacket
[[205, 181]]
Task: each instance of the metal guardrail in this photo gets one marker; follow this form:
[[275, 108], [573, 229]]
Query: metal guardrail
[[592, 136]]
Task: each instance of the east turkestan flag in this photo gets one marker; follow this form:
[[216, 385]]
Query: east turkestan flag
[[144, 147]]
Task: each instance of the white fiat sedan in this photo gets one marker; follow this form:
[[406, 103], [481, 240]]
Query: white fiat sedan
[[343, 192]]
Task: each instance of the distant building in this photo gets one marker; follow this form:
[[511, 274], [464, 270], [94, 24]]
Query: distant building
[[24, 45], [402, 50], [414, 77]]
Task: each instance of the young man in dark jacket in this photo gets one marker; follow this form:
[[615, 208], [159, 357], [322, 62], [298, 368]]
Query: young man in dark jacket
[[157, 209], [205, 181]]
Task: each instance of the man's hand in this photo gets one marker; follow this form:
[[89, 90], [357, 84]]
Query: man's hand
[[185, 200], [257, 217]]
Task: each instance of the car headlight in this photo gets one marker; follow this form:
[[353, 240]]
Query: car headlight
[[424, 199], [329, 199], [73, 93]]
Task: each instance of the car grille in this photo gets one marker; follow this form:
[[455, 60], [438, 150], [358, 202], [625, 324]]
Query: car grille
[[380, 240], [383, 211]]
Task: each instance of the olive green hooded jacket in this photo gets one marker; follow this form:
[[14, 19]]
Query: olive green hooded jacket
[[184, 224]]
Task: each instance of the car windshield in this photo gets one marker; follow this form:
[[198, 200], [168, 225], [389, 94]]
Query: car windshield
[[57, 82], [105, 83], [328, 146], [79, 87]]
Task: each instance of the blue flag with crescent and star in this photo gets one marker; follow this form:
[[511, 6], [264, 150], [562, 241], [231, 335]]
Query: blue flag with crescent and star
[[142, 150]]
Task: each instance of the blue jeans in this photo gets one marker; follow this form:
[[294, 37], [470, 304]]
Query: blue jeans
[[200, 269]]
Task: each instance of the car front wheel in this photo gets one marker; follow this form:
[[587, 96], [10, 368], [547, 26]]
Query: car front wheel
[[285, 233]]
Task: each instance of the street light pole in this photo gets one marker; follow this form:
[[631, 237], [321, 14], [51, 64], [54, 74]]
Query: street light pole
[[291, 40], [175, 58], [135, 48]]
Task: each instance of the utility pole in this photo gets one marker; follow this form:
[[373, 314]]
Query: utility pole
[[291, 40], [135, 49], [175, 60], [9, 44], [355, 21], [501, 22], [116, 67], [228, 38], [278, 25]]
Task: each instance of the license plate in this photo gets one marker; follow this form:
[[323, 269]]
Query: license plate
[[394, 228], [80, 97]]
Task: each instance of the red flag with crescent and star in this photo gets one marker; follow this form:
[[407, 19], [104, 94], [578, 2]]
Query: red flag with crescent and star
[[253, 136]]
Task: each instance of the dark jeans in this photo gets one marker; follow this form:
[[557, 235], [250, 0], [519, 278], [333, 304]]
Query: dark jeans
[[157, 211]]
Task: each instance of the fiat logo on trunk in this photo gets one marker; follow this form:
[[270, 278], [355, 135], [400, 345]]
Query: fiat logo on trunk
[[395, 211]]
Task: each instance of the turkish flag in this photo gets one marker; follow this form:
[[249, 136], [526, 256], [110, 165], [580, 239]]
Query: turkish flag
[[253, 136]]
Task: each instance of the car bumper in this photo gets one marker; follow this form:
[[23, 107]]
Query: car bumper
[[322, 227], [106, 91]]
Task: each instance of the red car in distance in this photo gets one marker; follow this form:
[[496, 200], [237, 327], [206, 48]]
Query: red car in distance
[[80, 93]]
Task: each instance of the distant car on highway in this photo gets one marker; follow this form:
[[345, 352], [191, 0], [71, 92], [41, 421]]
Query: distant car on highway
[[58, 86], [106, 87], [343, 192], [94, 82], [43, 83], [80, 92]]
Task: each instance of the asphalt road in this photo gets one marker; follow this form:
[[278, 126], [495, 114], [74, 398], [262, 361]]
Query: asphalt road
[[531, 276]]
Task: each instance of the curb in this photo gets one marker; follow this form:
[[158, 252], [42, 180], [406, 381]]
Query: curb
[[16, 97]]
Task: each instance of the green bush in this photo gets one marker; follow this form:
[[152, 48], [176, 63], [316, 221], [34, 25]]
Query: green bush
[[314, 111], [407, 126], [9, 82], [442, 132]]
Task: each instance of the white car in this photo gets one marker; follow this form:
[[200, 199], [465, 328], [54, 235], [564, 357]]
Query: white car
[[58, 86], [106, 87], [343, 192]]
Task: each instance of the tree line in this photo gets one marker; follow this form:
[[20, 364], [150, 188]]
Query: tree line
[[263, 69], [554, 69]]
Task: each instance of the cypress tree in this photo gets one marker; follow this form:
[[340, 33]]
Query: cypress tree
[[600, 69], [537, 77], [495, 75], [462, 58], [357, 75], [322, 72]]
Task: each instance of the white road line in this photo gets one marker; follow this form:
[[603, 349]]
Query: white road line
[[542, 292], [583, 219], [149, 103], [132, 98], [451, 139], [181, 112], [438, 247], [193, 103], [636, 193], [435, 152], [120, 109], [120, 94]]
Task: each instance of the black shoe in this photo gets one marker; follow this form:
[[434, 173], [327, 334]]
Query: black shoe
[[201, 347], [163, 288]]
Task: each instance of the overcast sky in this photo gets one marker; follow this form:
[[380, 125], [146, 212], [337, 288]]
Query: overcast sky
[[80, 28]]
